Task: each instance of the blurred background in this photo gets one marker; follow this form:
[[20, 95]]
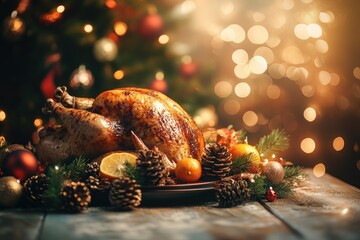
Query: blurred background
[[257, 65]]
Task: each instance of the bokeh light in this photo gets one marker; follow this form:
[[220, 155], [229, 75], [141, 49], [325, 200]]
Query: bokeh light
[[119, 74], [324, 77], [60, 9], [120, 28], [258, 65], [356, 72], [258, 34], [250, 118], [223, 89], [240, 56], [38, 122], [233, 33], [310, 114], [338, 143], [242, 71], [273, 91], [242, 89], [2, 115], [88, 28], [301, 32], [266, 53], [314, 30], [319, 170], [231, 107], [164, 39], [308, 145]]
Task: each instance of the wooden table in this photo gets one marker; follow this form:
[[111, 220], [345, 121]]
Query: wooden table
[[322, 208]]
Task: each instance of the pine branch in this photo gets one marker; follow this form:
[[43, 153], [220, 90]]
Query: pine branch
[[71, 169], [242, 164], [277, 141], [133, 173], [257, 187]]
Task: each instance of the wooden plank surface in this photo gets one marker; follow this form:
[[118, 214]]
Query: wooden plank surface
[[20, 225], [322, 208], [250, 221]]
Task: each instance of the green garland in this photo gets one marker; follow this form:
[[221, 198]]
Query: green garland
[[71, 169]]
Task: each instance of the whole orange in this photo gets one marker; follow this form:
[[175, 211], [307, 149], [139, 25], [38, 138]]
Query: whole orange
[[188, 170], [241, 149]]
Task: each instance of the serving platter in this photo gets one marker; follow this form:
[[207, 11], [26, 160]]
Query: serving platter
[[179, 194]]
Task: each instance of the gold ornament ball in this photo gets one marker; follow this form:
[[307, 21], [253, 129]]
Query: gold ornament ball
[[274, 172], [105, 50], [10, 191]]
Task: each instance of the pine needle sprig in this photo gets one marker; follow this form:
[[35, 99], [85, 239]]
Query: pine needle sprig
[[242, 164], [133, 173], [72, 169], [257, 187], [276, 142]]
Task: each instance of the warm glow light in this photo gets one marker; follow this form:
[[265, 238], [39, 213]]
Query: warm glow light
[[163, 39], [356, 72], [242, 90], [120, 28], [277, 70], [287, 4], [308, 91], [242, 71], [301, 31], [110, 3], [344, 211], [324, 77], [233, 33], [273, 41], [258, 34], [338, 143], [273, 92], [321, 46], [119, 74], [258, 16], [326, 17], [227, 7], [2, 115], [266, 53], [310, 114], [188, 6], [292, 55], [308, 145], [240, 56], [319, 170], [258, 65], [250, 118], [159, 76], [223, 89], [88, 28], [314, 30], [232, 107], [38, 122], [277, 21], [60, 9]]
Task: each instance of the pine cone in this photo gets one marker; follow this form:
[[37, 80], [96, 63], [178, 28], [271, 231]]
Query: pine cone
[[97, 183], [125, 194], [216, 161], [230, 192], [152, 167], [75, 197], [35, 186], [92, 169]]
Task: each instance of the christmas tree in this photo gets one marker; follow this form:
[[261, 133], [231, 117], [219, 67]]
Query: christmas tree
[[90, 46]]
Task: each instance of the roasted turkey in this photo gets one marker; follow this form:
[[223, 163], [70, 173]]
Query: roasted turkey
[[91, 127]]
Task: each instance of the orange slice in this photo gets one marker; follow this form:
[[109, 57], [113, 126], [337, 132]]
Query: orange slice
[[112, 166]]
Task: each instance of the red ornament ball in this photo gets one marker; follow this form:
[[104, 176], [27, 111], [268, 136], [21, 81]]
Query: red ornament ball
[[270, 195], [151, 26], [21, 164]]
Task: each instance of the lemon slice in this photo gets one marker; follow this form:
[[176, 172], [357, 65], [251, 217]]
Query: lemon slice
[[112, 166]]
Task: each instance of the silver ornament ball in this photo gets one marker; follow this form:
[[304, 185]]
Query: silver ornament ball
[[274, 172]]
